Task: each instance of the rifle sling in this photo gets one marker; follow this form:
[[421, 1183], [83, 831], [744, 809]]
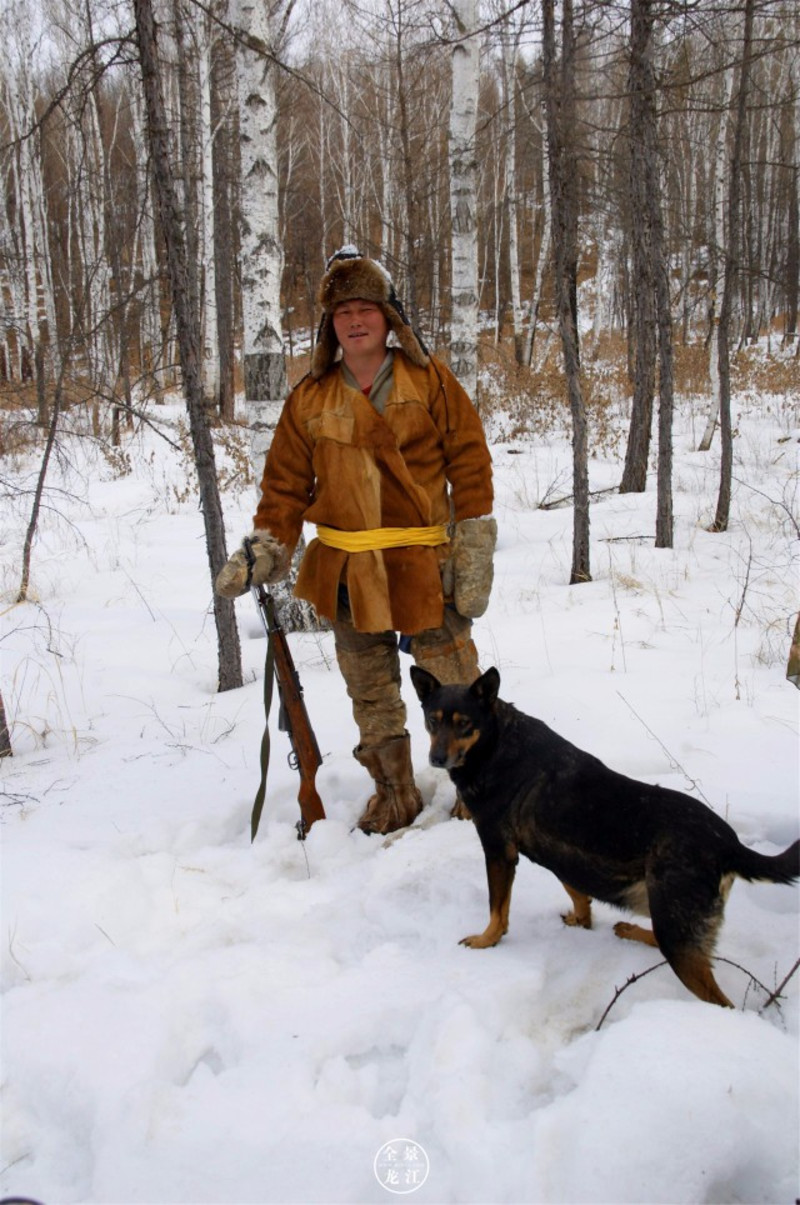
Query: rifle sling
[[269, 679]]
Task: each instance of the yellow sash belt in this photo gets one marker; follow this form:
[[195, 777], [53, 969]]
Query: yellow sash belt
[[382, 537]]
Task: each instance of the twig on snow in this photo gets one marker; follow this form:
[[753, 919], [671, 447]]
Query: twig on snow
[[618, 991], [775, 996], [567, 501]]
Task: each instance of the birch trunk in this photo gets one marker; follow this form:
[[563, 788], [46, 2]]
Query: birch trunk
[[463, 197], [720, 165], [187, 324], [559, 85], [208, 293], [509, 66], [151, 336], [544, 243], [38, 310], [265, 382], [264, 360], [102, 349], [793, 236], [225, 199]]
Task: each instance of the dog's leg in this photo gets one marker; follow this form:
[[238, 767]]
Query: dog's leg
[[500, 872], [631, 932], [690, 964], [581, 913], [693, 968], [686, 905]]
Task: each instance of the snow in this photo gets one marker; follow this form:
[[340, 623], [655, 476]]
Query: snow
[[189, 1018]]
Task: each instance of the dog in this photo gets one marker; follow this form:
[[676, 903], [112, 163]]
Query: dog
[[647, 849]]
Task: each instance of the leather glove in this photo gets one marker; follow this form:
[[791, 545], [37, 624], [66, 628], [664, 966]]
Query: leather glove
[[270, 562], [468, 572]]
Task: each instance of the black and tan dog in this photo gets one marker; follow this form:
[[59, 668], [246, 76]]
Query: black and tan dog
[[653, 851]]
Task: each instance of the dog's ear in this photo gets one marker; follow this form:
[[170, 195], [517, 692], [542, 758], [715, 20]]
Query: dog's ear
[[487, 686], [424, 683]]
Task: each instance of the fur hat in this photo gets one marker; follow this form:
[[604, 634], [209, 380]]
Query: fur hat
[[350, 275]]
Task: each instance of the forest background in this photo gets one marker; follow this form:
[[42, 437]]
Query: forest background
[[176, 174]]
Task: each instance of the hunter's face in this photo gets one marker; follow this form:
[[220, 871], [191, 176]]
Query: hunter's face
[[361, 328]]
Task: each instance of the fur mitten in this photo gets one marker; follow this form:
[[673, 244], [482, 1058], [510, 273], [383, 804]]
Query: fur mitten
[[271, 561], [469, 570]]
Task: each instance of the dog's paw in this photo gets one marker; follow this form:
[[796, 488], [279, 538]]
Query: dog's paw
[[482, 941], [631, 932], [574, 921]]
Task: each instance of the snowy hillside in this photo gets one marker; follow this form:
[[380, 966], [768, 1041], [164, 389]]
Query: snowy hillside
[[187, 1018]]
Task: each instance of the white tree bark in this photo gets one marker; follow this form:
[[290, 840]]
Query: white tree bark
[[145, 254], [262, 261], [544, 242], [510, 47], [13, 280], [264, 359], [720, 173], [463, 197], [96, 265], [209, 337], [37, 303]]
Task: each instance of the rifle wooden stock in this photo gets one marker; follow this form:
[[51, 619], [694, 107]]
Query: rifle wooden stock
[[306, 757], [294, 719]]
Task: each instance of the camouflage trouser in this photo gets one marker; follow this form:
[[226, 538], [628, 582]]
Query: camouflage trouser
[[370, 665]]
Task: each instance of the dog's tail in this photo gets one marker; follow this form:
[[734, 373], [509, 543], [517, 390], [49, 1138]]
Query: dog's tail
[[779, 868]]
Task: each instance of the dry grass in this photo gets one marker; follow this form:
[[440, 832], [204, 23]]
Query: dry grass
[[532, 400]]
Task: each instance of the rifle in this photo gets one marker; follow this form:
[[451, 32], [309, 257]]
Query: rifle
[[305, 756]]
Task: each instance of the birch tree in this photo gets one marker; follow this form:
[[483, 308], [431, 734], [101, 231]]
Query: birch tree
[[715, 251], [263, 356], [510, 34], [208, 289], [264, 360], [224, 119], [37, 324], [545, 239], [463, 197], [559, 91], [187, 324]]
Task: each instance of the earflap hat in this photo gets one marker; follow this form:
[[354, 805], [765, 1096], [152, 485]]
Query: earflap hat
[[350, 275]]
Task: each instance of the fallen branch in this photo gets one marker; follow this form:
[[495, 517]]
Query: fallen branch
[[618, 992], [774, 996], [569, 499], [623, 539], [744, 970]]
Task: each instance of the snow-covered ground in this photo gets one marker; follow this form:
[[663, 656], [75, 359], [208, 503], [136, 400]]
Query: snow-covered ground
[[189, 1018]]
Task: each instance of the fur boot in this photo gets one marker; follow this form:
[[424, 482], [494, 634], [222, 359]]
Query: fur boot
[[397, 802]]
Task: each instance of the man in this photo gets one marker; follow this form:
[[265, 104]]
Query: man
[[382, 449]]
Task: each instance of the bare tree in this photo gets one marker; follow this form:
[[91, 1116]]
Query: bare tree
[[717, 243], [5, 735], [731, 274], [559, 89], [187, 322], [651, 293]]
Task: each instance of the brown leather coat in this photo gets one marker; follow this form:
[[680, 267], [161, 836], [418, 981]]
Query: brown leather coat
[[335, 461]]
